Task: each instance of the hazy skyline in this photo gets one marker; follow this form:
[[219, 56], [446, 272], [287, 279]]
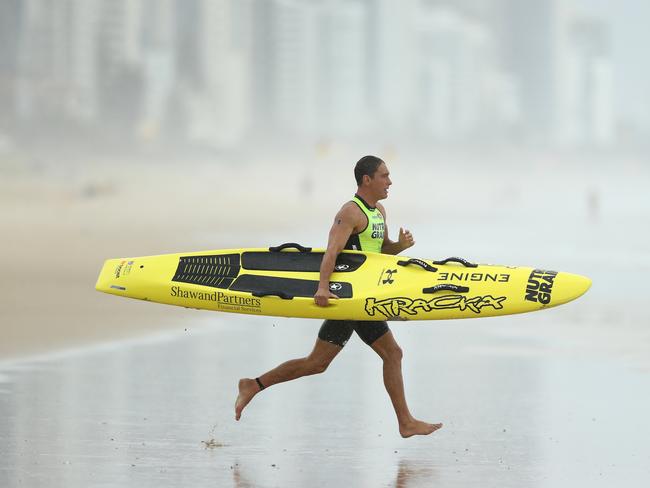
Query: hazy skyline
[[558, 72]]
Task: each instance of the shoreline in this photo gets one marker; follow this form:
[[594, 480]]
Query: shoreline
[[61, 224]]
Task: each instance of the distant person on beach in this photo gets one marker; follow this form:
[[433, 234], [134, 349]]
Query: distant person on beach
[[359, 225]]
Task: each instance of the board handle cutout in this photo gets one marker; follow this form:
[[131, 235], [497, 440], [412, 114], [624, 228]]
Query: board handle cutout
[[462, 261], [446, 287], [290, 245], [423, 264], [281, 294]]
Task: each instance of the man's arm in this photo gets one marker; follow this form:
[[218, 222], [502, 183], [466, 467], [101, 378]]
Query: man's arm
[[404, 240], [344, 224]]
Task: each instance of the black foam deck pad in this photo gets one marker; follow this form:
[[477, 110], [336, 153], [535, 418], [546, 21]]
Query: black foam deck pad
[[298, 261], [217, 271], [289, 286]]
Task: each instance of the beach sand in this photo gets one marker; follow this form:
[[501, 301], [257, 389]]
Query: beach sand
[[59, 223], [62, 216], [100, 391]]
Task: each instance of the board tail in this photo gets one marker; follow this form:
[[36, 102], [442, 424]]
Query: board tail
[[113, 277]]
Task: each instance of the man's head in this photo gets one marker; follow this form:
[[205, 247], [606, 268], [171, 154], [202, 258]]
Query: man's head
[[372, 176], [367, 165]]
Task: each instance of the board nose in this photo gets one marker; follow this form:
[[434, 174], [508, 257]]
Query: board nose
[[582, 285], [571, 286]]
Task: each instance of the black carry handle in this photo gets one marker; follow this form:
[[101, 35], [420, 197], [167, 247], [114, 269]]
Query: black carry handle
[[289, 245], [423, 264], [281, 294], [462, 261], [446, 287]]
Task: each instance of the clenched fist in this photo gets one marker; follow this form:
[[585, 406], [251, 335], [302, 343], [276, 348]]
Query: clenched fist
[[405, 238]]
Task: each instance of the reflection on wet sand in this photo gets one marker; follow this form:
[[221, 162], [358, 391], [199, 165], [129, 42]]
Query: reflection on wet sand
[[410, 474], [238, 478]]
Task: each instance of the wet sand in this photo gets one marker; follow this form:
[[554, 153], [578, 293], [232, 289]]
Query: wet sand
[[98, 391], [516, 411]]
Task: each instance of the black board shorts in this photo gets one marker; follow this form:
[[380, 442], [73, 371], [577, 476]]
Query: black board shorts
[[339, 331]]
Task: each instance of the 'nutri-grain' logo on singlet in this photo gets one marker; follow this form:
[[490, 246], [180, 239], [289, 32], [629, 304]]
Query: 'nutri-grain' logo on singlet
[[377, 230]]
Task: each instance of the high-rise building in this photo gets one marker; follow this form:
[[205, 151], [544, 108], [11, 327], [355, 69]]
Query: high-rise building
[[391, 62], [586, 88], [342, 69], [82, 70], [310, 67], [531, 43], [294, 78], [217, 99], [121, 29], [158, 68], [11, 19], [262, 82], [456, 68], [120, 57], [56, 60]]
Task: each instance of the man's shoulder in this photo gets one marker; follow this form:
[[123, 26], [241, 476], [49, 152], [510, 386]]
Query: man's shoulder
[[350, 204], [381, 209], [351, 210], [349, 207]]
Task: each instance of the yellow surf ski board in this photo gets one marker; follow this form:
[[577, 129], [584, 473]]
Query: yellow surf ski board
[[281, 281]]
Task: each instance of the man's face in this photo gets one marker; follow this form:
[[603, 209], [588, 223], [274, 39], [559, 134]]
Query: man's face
[[380, 182]]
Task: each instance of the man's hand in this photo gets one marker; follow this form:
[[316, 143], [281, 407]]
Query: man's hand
[[405, 238], [322, 297]]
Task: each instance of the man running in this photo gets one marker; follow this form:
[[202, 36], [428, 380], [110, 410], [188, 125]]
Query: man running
[[359, 225]]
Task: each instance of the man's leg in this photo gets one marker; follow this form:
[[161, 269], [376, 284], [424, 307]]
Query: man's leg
[[391, 354], [317, 362]]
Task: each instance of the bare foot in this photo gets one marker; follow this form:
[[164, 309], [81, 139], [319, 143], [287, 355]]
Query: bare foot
[[417, 427], [248, 388]]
